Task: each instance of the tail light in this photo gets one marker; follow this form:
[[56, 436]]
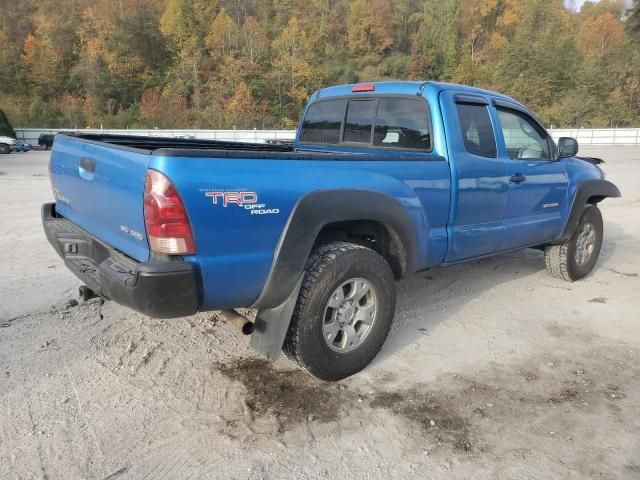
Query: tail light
[[165, 217]]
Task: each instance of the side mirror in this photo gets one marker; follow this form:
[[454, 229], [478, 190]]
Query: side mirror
[[567, 147]]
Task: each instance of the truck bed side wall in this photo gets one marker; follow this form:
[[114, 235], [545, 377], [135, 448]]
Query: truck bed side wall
[[236, 248]]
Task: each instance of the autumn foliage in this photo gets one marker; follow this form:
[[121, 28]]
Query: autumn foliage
[[253, 64]]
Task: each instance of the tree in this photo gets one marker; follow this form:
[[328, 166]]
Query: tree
[[291, 64], [163, 109], [223, 35], [633, 21], [435, 42], [540, 62], [598, 35], [370, 30], [183, 24], [254, 41], [6, 67], [135, 62], [241, 108], [6, 130], [41, 60], [71, 108]]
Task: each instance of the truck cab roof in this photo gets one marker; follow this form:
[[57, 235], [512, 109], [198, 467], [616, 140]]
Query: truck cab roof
[[405, 88]]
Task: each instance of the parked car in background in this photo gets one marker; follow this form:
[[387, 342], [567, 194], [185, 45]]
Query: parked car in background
[[20, 146], [45, 140], [6, 144], [383, 180]]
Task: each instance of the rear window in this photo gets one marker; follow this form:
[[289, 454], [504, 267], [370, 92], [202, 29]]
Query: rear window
[[386, 122], [402, 123], [477, 131], [323, 121], [360, 115]]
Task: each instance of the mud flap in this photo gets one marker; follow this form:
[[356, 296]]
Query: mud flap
[[271, 326]]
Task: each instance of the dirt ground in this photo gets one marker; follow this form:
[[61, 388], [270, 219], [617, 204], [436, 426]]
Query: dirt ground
[[493, 370]]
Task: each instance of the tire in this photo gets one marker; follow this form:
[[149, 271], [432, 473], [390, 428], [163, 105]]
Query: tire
[[347, 268], [4, 148], [575, 258]]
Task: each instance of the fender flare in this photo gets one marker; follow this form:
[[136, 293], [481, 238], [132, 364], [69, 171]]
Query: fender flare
[[597, 190], [314, 211]]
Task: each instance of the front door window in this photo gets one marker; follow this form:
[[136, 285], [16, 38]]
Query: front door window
[[524, 138]]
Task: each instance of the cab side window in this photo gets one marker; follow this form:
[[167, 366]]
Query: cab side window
[[523, 137], [476, 128]]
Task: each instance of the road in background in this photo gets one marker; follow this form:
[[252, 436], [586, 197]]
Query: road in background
[[34, 278], [493, 370]]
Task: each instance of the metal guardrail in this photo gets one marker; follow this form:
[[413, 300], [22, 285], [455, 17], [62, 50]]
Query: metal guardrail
[[597, 136], [600, 136], [30, 135]]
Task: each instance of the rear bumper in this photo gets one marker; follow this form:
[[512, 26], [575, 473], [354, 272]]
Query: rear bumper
[[166, 288]]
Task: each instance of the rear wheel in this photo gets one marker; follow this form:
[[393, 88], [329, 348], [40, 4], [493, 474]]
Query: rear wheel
[[575, 258], [4, 148], [344, 311]]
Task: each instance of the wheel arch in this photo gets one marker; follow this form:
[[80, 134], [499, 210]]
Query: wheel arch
[[326, 215], [590, 192]]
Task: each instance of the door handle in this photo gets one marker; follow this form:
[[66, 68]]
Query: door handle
[[518, 178]]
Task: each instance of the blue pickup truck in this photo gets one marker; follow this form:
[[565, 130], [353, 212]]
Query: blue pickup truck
[[383, 180]]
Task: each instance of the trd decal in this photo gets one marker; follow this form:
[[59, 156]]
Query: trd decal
[[245, 200], [239, 198]]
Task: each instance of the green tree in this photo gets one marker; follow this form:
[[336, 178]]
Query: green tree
[[223, 35], [435, 43], [184, 24], [633, 21], [241, 108], [133, 62], [292, 67], [6, 129], [369, 30]]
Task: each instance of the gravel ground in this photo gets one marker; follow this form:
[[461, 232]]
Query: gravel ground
[[493, 370]]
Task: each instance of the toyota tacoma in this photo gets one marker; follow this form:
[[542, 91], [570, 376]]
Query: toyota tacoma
[[383, 180]]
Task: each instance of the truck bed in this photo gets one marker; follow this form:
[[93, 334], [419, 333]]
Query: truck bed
[[188, 147], [99, 184], [153, 143]]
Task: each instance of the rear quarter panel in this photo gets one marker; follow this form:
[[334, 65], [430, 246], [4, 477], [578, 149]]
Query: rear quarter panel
[[236, 249]]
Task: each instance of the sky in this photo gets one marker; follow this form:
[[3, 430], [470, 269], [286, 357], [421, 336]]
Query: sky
[[578, 3], [574, 3]]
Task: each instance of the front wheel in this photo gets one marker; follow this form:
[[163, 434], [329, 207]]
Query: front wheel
[[4, 148], [575, 258], [344, 311]]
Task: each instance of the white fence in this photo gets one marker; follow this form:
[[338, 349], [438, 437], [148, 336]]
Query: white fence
[[30, 135], [598, 136]]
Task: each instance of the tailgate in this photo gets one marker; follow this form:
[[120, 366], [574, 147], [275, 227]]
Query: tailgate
[[100, 188]]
